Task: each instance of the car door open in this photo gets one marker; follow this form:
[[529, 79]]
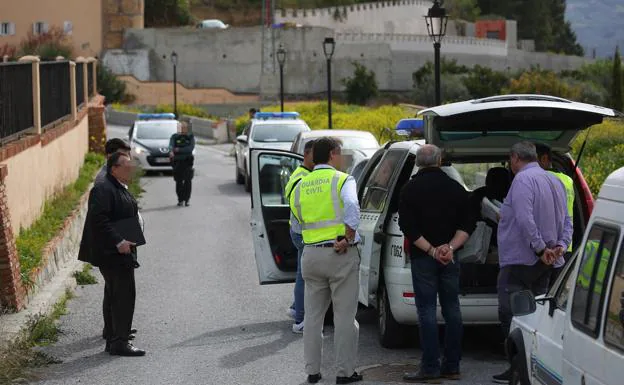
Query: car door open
[[276, 256]]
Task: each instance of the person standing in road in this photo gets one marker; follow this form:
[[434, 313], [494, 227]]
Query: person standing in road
[[533, 233], [182, 147], [544, 158], [326, 206], [103, 247], [435, 216], [297, 311]]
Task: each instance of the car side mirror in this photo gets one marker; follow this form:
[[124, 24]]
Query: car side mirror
[[522, 303], [242, 138]]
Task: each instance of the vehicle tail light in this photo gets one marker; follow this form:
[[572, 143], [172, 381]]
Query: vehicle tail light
[[278, 259], [407, 294], [587, 194]]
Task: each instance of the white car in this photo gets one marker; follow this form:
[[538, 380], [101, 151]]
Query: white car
[[476, 136], [275, 130], [357, 146], [575, 333], [212, 24], [149, 140]]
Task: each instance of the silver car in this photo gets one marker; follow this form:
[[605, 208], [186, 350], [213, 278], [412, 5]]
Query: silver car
[[149, 140]]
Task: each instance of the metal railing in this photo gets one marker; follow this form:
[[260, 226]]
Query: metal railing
[[80, 96], [55, 91], [16, 100], [90, 78]]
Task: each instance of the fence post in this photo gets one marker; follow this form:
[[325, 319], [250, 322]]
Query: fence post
[[36, 84], [85, 82], [5, 59], [72, 84]]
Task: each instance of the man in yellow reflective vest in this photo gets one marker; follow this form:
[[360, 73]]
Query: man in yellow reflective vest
[[326, 206], [544, 158], [296, 311]]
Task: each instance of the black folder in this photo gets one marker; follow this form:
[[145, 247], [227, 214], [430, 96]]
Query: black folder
[[130, 230]]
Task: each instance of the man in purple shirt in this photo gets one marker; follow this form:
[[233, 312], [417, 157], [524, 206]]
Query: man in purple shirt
[[533, 233]]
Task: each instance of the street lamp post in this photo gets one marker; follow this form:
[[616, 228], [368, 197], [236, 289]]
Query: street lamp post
[[328, 48], [174, 61], [281, 60], [436, 20]]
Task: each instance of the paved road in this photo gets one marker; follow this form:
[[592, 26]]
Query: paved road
[[200, 312]]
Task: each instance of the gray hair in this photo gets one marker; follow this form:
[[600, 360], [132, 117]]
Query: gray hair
[[525, 151], [428, 155]]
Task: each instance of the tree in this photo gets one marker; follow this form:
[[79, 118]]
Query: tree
[[616, 91], [482, 82], [463, 9], [167, 13], [544, 83], [362, 86]]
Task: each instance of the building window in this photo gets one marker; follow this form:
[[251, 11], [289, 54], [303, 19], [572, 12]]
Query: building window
[[40, 27], [7, 29], [68, 27]]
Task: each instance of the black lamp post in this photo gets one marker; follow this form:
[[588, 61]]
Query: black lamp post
[[174, 61], [281, 59], [436, 27], [328, 48]]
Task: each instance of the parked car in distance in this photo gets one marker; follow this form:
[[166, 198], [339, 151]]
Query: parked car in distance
[[357, 146], [275, 130], [574, 334], [149, 140], [476, 136], [212, 24]]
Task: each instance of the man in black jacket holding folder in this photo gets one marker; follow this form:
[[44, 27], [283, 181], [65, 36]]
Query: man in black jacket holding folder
[[102, 245]]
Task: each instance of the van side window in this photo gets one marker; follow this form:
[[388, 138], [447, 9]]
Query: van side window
[[590, 289], [614, 324], [563, 292], [376, 190]]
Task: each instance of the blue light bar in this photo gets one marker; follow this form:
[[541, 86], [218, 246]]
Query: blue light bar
[[408, 127], [166, 115], [276, 115]]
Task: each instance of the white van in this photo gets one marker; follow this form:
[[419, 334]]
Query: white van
[[476, 136], [574, 334]]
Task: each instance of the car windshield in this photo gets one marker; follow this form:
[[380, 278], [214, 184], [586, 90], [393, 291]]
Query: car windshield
[[526, 135], [349, 142], [156, 130], [276, 132]]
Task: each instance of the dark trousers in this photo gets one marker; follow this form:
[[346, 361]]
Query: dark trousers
[[513, 278], [431, 281], [183, 175], [119, 299]]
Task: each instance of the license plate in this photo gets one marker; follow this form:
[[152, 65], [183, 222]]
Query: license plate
[[161, 160]]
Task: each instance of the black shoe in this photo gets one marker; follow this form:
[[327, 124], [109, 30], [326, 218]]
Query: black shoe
[[131, 337], [180, 204], [314, 378], [451, 375], [355, 377], [124, 348], [502, 378], [133, 331], [422, 378], [187, 204]]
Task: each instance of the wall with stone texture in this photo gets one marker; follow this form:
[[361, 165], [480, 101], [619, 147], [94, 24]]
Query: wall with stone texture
[[119, 15]]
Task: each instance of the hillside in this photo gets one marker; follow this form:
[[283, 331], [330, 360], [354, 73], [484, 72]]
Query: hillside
[[598, 24]]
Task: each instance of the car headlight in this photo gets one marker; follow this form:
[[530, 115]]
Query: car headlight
[[140, 149]]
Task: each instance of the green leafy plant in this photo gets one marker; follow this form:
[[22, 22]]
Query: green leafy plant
[[616, 92], [482, 82], [47, 45], [84, 276], [362, 86], [167, 13], [113, 89]]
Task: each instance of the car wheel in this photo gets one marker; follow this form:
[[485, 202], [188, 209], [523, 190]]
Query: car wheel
[[519, 375], [240, 179], [392, 334]]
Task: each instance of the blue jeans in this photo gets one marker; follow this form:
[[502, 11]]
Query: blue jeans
[[297, 240], [432, 279]]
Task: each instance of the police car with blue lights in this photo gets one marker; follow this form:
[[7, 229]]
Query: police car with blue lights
[[267, 130], [149, 140]]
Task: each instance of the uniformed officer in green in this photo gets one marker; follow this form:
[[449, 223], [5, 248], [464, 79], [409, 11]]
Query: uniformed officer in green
[[182, 147], [326, 206], [297, 310], [544, 158]]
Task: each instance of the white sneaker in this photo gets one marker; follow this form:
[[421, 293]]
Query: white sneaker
[[297, 328], [291, 312]]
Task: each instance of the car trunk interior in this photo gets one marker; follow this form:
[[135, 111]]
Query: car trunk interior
[[481, 277]]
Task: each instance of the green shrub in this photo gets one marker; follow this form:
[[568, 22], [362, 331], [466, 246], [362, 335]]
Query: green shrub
[[167, 13], [113, 89], [362, 86], [47, 45], [452, 89], [482, 82], [184, 109]]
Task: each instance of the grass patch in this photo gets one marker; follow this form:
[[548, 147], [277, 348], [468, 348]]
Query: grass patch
[[135, 185], [30, 242], [84, 277], [41, 330]]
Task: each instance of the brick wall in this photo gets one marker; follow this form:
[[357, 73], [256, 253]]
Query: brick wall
[[97, 126]]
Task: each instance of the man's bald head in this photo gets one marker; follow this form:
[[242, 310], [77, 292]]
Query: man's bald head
[[428, 155]]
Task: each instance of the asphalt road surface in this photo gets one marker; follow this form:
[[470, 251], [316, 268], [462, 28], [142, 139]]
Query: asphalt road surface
[[201, 314]]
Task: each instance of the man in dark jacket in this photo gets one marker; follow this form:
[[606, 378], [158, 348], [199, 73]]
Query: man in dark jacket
[[181, 147], [434, 214], [103, 246]]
